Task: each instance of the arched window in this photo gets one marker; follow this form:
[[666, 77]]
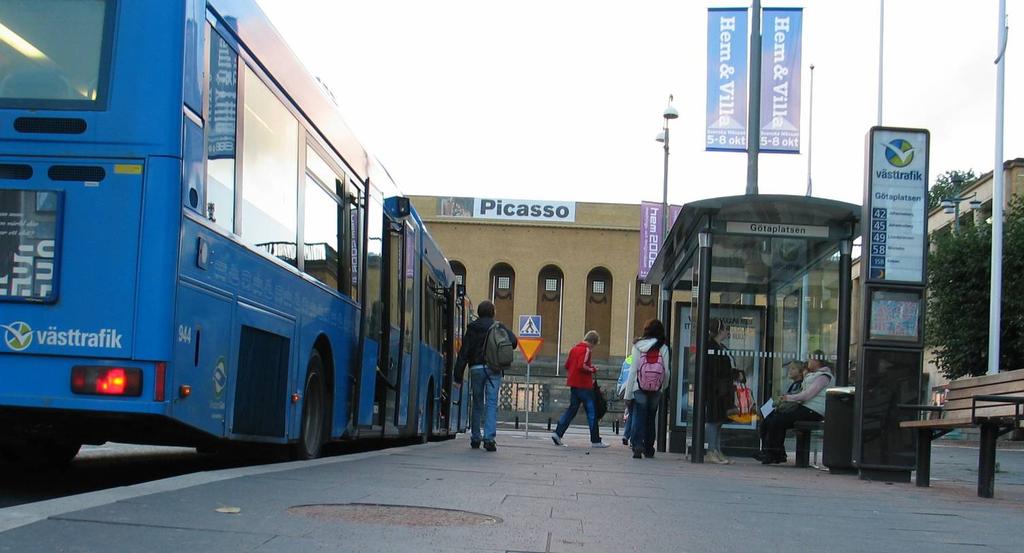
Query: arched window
[[550, 280], [599, 309], [502, 292], [460, 272], [645, 306]]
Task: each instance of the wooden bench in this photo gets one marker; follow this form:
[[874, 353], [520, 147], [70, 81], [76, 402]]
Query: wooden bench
[[803, 430], [994, 403]]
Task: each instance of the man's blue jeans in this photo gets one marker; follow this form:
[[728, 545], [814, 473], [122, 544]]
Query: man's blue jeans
[[485, 386], [577, 397]]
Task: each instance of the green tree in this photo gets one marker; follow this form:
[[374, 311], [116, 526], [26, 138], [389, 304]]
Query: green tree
[[959, 269], [948, 185]]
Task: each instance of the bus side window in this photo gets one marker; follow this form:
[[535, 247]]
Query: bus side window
[[222, 110], [270, 163], [325, 247]]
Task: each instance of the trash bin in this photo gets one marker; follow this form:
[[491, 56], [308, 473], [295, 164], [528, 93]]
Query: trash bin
[[837, 443]]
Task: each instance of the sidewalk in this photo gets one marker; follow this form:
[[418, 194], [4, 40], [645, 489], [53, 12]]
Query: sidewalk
[[530, 496]]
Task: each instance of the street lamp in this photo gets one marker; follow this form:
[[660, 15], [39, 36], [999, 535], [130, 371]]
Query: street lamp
[[669, 114], [951, 205], [666, 298]]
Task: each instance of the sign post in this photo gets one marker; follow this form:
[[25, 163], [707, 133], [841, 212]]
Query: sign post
[[529, 344], [893, 277]]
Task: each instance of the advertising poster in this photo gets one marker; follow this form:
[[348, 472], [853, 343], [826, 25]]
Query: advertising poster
[[780, 80], [30, 222], [744, 349], [727, 80]]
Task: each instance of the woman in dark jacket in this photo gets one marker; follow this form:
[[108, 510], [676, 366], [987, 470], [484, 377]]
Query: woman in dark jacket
[[720, 390]]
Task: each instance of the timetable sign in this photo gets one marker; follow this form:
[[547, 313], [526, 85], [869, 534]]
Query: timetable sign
[[897, 226]]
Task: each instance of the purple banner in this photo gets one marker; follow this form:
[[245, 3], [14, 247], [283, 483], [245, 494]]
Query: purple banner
[[780, 80], [650, 234], [727, 80]]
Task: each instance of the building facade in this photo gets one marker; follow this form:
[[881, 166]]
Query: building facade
[[573, 263]]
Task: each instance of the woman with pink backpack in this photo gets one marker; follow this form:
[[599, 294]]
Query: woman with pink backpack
[[648, 377]]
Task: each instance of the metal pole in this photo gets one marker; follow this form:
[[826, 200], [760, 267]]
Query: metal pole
[[881, 57], [956, 217], [558, 350], [666, 295], [662, 422], [810, 132], [529, 395], [630, 315], [664, 195], [996, 289], [754, 99], [845, 295], [701, 328]]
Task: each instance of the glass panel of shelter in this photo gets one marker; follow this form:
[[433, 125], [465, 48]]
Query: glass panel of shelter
[[778, 297]]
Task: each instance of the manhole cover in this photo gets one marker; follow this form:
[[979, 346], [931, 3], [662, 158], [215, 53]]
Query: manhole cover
[[405, 515]]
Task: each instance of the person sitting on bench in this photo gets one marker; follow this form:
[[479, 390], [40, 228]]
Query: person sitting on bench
[[807, 405]]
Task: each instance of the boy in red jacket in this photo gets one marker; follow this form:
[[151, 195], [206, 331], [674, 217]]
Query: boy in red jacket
[[580, 379]]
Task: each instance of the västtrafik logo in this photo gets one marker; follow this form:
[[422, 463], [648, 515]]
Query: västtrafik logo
[[899, 152], [17, 335]]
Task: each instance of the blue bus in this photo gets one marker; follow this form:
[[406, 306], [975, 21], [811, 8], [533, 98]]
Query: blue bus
[[194, 247]]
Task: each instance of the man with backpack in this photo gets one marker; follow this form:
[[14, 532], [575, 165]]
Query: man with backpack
[[580, 378], [487, 349]]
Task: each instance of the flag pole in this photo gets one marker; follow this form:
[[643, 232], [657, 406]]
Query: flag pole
[[996, 288]]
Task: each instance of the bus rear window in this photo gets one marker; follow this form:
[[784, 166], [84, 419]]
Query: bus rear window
[[55, 54]]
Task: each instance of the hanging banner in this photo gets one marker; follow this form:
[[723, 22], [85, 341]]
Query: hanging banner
[[727, 80], [780, 80], [650, 234]]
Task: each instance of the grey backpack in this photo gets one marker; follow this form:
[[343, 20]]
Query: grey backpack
[[498, 349]]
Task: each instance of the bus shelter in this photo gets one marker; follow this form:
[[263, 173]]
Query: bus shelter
[[777, 271]]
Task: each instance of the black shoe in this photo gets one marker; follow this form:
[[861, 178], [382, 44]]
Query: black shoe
[[649, 454], [474, 445], [771, 458], [637, 454], [489, 446], [625, 441]]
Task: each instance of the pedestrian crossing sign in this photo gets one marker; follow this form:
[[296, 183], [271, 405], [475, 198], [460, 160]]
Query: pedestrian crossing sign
[[529, 326]]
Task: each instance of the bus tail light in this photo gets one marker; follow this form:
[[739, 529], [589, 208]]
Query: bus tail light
[[106, 381], [160, 384]]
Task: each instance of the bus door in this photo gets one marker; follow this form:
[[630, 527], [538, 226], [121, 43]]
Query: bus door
[[389, 368], [448, 352]]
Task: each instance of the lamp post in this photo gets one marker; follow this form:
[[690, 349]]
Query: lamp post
[[666, 295], [669, 114], [952, 206]]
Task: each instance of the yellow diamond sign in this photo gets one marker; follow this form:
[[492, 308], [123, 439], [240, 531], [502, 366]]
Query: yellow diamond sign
[[529, 347]]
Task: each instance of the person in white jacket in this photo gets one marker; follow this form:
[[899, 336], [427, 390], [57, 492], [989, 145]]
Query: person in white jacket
[[648, 378]]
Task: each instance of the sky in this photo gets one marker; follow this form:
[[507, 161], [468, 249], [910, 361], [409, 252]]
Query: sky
[[562, 99]]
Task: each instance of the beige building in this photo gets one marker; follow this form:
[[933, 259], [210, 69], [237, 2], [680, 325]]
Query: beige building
[[573, 263]]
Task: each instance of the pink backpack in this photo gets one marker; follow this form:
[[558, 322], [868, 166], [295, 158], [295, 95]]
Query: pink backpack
[[651, 373]]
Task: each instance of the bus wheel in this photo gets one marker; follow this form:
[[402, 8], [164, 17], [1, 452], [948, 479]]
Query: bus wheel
[[42, 454], [311, 436], [59, 453]]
